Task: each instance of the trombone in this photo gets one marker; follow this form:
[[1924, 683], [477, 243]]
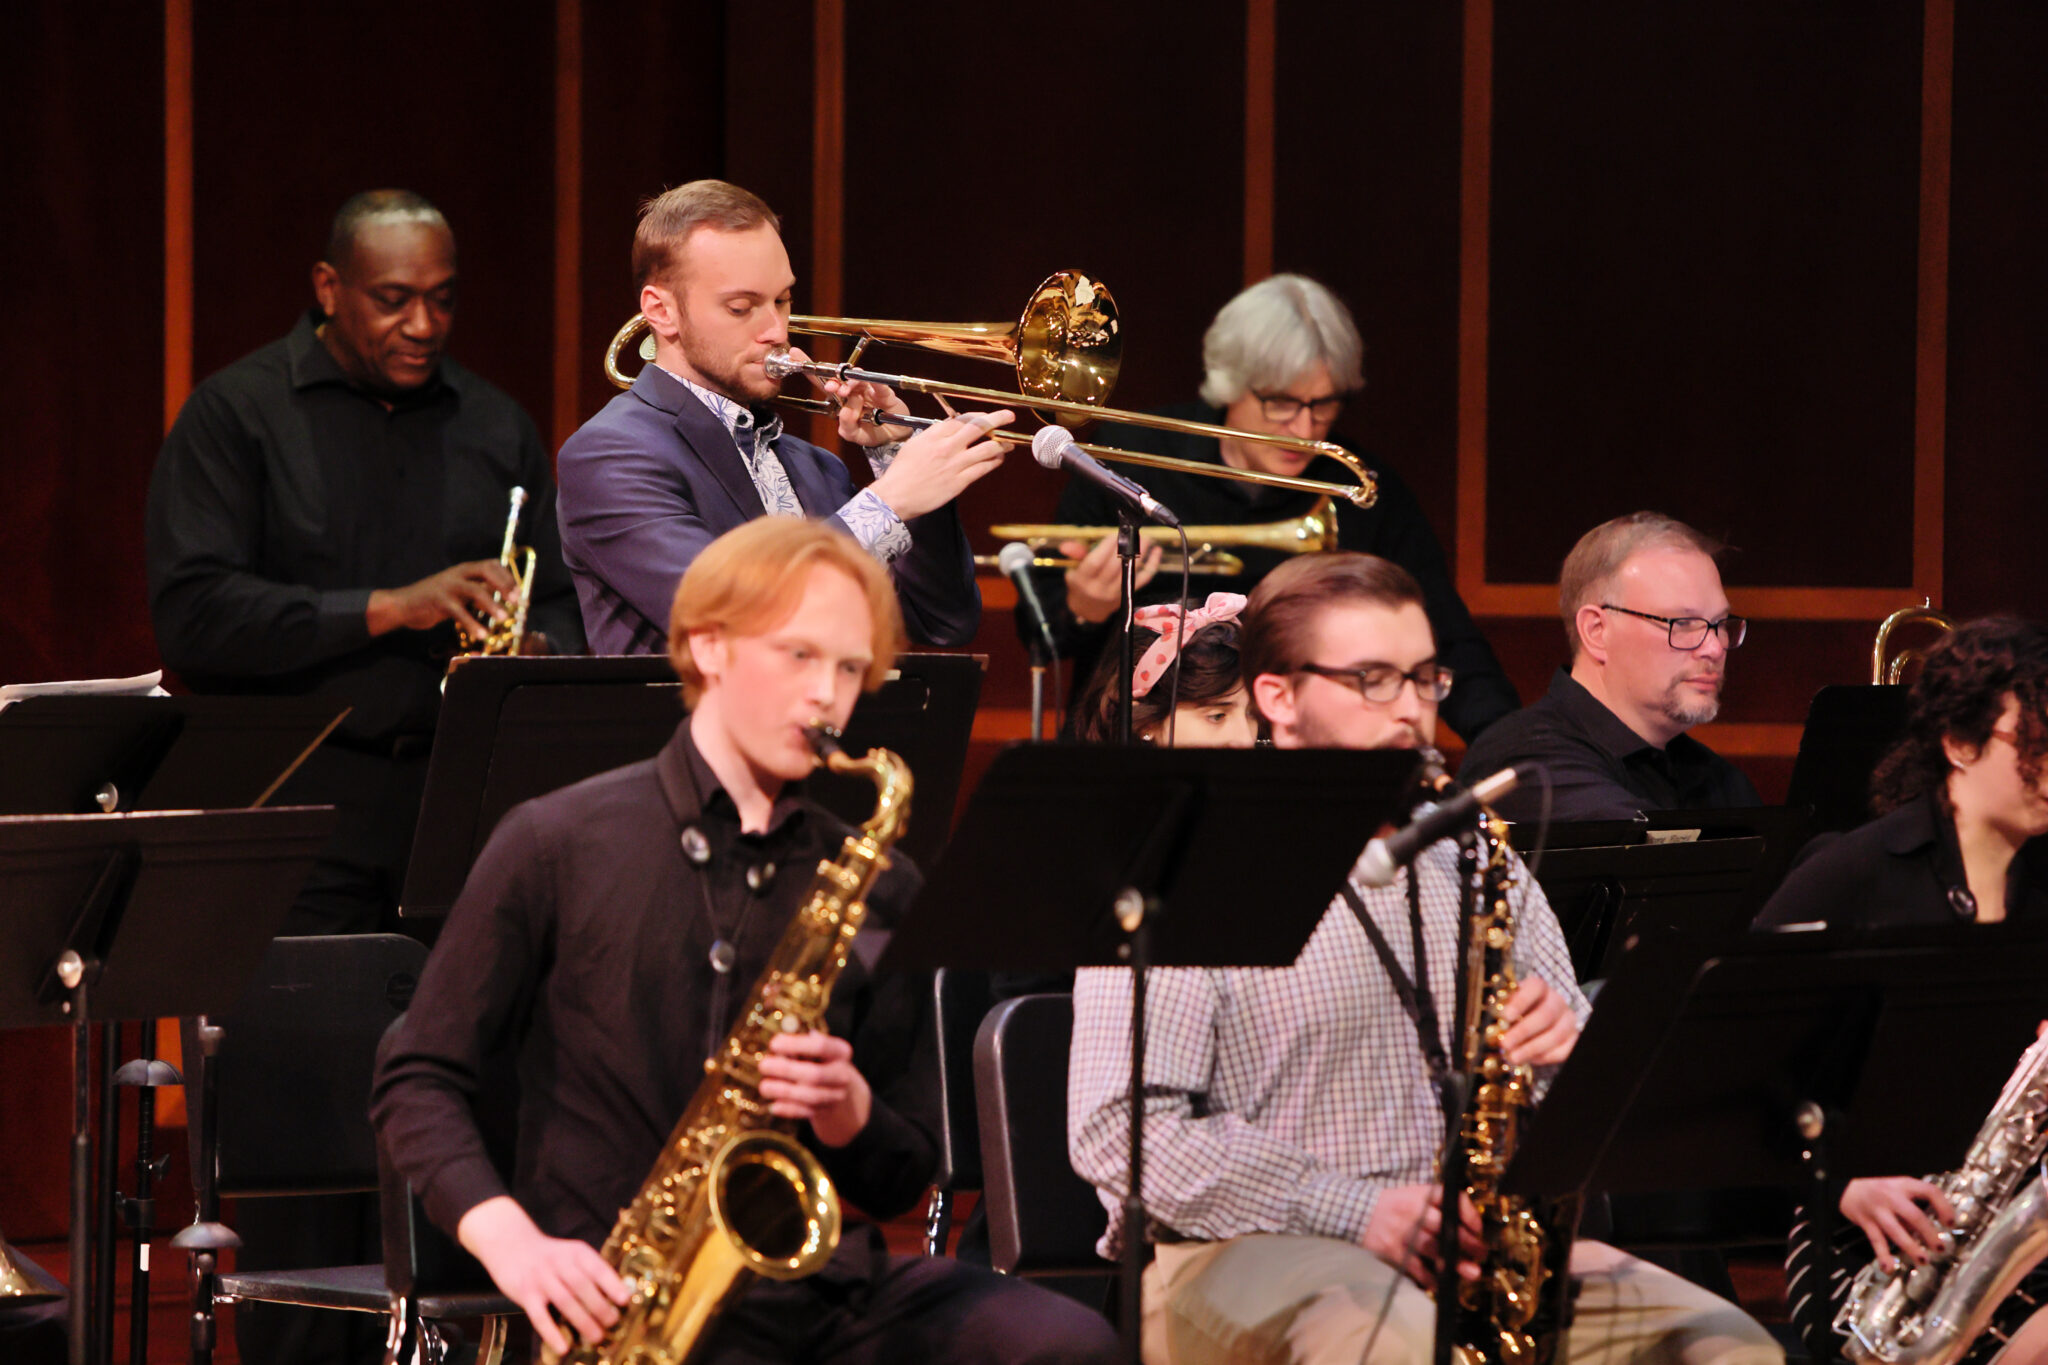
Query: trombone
[[1065, 348], [1315, 529]]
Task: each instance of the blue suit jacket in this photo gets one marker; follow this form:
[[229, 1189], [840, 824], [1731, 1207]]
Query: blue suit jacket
[[654, 477]]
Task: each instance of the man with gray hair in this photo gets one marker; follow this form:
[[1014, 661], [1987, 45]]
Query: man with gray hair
[[1650, 633], [1281, 358]]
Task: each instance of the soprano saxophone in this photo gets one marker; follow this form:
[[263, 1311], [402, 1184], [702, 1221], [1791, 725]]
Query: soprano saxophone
[[1964, 1296], [734, 1194], [1515, 1313]]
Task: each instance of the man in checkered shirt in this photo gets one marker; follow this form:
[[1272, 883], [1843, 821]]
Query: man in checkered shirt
[[1291, 1128]]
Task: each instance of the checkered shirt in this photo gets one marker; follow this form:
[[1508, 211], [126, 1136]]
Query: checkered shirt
[[1284, 1099], [872, 521]]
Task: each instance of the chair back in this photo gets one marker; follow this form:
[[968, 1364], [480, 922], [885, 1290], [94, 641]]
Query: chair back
[[960, 1000], [1043, 1219], [295, 1061], [420, 1260]]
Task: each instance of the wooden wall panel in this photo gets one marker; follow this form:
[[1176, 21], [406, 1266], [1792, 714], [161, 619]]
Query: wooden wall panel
[[653, 117], [966, 186], [81, 270], [1367, 202], [1998, 315], [1704, 250], [299, 106]]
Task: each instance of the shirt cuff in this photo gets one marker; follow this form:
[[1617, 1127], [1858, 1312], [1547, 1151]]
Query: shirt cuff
[[876, 526], [1340, 1206], [459, 1187], [880, 456], [344, 615]]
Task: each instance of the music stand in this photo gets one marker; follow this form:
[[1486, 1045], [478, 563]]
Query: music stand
[[1610, 898], [1789, 1059], [87, 755], [514, 729], [1151, 870], [1849, 728], [141, 916]]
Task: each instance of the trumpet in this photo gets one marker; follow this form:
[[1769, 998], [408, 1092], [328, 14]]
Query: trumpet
[[1066, 348], [506, 637], [1313, 530]]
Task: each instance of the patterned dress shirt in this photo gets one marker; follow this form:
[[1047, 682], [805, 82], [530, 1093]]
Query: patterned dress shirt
[[873, 522], [1284, 1099]]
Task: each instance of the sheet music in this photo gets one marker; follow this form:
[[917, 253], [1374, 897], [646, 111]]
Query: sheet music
[[141, 685]]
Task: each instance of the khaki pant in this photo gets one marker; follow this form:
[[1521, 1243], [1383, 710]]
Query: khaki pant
[[1317, 1301]]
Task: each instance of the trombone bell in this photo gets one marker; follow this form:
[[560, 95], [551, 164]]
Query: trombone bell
[[1313, 530], [1067, 344]]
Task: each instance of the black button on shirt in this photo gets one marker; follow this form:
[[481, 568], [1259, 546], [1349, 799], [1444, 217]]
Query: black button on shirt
[[284, 495], [1394, 527], [1599, 768]]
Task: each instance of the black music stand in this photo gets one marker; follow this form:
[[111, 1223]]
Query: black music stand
[[1154, 867], [514, 729], [87, 755], [1849, 728], [119, 917], [1793, 1059], [1608, 898]]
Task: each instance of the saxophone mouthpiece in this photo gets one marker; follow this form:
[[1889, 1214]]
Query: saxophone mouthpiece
[[824, 738]]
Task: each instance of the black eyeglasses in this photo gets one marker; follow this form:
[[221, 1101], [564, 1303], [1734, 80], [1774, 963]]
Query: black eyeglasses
[[1690, 632], [1382, 682], [1285, 407]]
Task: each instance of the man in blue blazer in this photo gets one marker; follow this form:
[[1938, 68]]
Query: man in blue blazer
[[693, 450]]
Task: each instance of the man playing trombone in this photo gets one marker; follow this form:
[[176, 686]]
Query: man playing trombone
[[692, 451]]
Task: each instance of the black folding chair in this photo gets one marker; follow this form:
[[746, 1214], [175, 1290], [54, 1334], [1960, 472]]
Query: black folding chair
[[292, 1072], [432, 1281], [1043, 1219], [960, 999]]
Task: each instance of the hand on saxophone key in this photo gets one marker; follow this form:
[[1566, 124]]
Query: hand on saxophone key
[[1405, 1225], [556, 1280], [1888, 1209], [812, 1076], [1541, 1026]]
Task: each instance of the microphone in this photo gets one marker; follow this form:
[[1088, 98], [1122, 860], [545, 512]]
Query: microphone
[[1054, 448], [1384, 857], [1014, 560]]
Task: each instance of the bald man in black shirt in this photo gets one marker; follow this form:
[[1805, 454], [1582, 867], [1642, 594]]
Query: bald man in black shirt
[[324, 515]]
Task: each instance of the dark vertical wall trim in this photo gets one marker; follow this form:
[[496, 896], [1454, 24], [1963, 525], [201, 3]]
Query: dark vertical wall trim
[[1475, 208], [1260, 53], [569, 359], [1930, 396], [177, 206], [828, 171]]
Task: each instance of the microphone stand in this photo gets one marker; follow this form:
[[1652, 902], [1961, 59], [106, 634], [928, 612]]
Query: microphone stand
[[1127, 548], [1039, 664], [1455, 1093]]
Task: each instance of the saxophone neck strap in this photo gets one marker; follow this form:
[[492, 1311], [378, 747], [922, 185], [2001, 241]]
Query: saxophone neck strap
[[1417, 1000]]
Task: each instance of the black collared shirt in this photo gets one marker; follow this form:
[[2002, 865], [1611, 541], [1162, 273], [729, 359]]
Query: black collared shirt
[[1902, 868], [581, 946], [1599, 768], [284, 494], [1394, 527]]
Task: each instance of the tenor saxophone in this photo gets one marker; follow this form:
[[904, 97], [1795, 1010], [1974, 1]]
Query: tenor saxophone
[[1516, 1311], [734, 1194], [1962, 1303]]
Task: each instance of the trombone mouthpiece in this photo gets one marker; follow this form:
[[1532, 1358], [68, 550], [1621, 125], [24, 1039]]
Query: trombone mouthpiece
[[778, 363]]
